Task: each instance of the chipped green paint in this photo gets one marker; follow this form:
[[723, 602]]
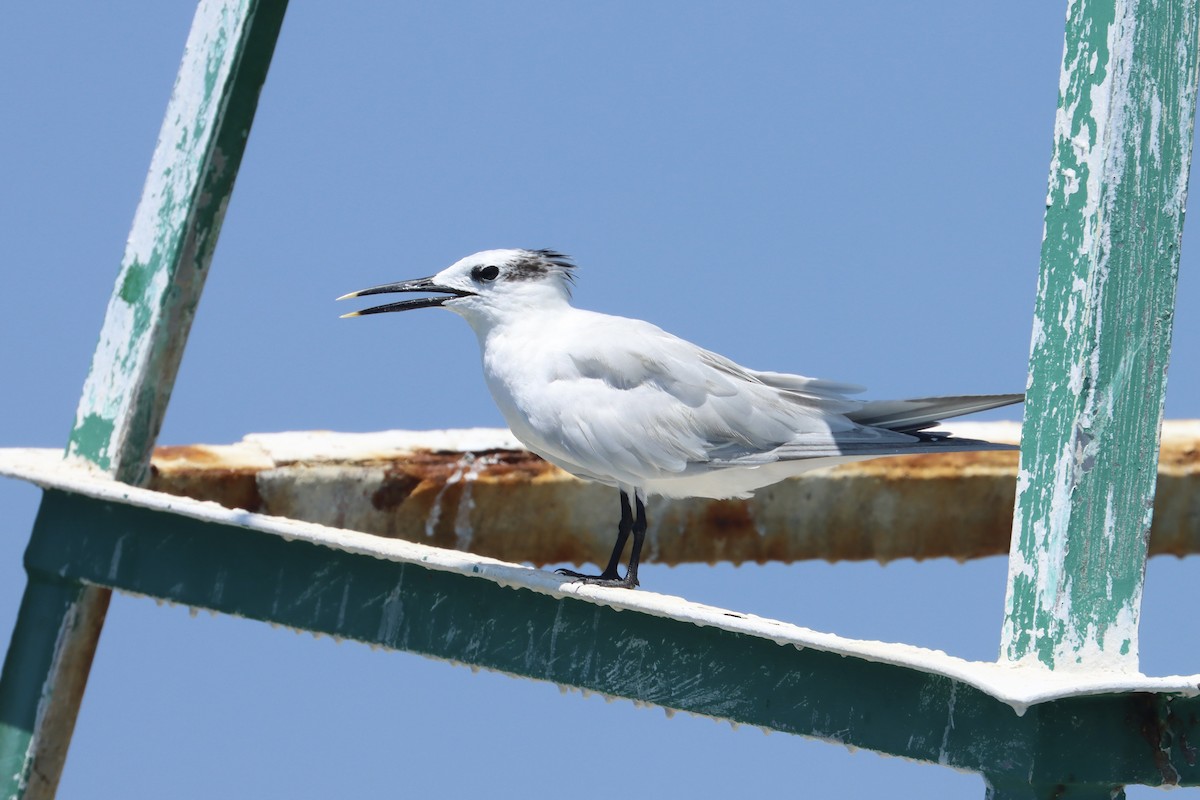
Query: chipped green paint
[[135, 283], [92, 436], [1102, 333], [125, 395], [174, 232]]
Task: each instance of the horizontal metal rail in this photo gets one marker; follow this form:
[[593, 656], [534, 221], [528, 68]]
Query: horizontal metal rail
[[1013, 724], [454, 489]]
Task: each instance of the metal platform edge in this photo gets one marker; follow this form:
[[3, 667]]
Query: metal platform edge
[[979, 716]]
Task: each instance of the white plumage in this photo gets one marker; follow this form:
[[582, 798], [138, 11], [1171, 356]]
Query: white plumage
[[622, 402]]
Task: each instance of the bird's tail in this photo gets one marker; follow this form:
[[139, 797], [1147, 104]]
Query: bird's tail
[[909, 416]]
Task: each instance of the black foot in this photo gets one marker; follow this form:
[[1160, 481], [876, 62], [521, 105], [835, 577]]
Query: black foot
[[604, 579]]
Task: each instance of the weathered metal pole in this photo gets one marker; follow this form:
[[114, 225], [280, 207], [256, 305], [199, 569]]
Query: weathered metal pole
[[125, 396], [1102, 333]]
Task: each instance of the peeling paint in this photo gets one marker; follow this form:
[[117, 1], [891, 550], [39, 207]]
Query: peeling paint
[[172, 237], [1101, 335]]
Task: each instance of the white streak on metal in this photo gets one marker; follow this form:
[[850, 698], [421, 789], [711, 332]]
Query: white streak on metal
[[1039, 333], [466, 504], [392, 613], [218, 589], [1110, 519], [317, 586], [435, 509], [943, 750], [1155, 124], [115, 564], [555, 627], [1052, 534], [341, 618], [530, 653]]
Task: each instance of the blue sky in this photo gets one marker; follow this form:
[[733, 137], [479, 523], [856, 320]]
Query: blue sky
[[851, 191]]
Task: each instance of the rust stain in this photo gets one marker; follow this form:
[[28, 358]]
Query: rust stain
[[934, 465], [728, 518], [398, 483], [187, 454], [439, 465], [1179, 456], [512, 505], [1152, 713], [232, 488]]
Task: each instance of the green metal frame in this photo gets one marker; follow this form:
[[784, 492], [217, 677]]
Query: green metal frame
[[747, 679], [1064, 710], [175, 230]]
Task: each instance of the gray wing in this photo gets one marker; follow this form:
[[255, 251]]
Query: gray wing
[[883, 428], [925, 412], [841, 447], [849, 427], [630, 401]]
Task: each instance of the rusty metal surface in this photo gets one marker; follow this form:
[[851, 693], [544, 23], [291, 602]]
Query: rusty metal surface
[[507, 503]]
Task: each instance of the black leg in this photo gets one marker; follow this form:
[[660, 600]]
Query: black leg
[[639, 536], [623, 529], [610, 576]]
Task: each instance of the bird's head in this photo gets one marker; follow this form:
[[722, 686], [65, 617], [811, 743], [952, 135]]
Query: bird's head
[[485, 286]]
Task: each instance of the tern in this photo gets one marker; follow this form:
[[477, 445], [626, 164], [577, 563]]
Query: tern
[[622, 402]]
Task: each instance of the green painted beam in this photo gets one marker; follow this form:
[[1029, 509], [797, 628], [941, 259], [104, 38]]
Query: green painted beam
[[471, 617], [174, 233], [125, 395], [1102, 333], [54, 615]]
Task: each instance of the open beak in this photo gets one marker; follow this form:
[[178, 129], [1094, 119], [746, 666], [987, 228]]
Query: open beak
[[416, 285]]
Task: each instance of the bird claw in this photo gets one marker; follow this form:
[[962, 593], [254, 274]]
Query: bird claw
[[614, 580]]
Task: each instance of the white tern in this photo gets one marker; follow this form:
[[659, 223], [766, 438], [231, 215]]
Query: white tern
[[625, 403]]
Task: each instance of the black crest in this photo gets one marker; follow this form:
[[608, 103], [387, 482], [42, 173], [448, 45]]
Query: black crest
[[537, 264]]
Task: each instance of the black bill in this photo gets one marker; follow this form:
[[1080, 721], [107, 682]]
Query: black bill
[[415, 285]]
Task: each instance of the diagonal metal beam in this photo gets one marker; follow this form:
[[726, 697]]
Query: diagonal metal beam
[[175, 230], [1102, 333], [125, 395]]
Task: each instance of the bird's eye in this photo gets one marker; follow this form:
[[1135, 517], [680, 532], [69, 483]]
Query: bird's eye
[[489, 273]]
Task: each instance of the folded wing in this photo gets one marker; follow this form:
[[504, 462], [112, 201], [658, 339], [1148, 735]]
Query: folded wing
[[663, 406]]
